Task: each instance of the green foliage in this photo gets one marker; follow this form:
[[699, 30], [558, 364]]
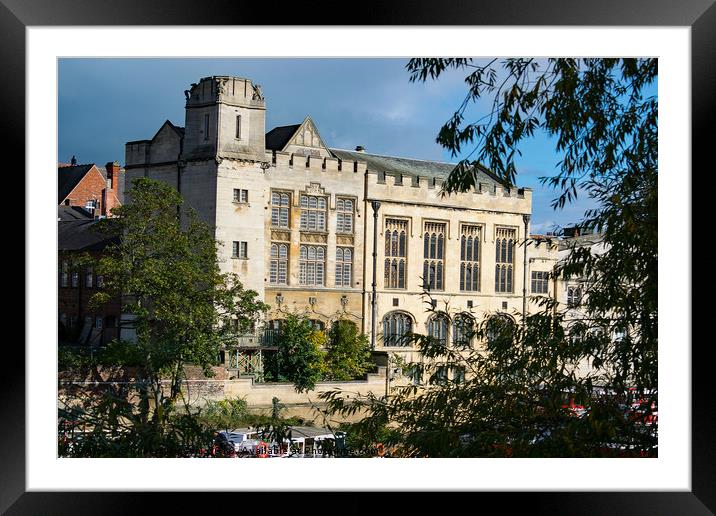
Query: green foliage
[[299, 358], [225, 414], [165, 268], [73, 357], [514, 397], [109, 425], [348, 356]]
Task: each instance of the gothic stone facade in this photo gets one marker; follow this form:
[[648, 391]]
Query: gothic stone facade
[[296, 219]]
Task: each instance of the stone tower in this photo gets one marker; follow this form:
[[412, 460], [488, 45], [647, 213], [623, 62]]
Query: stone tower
[[225, 118]]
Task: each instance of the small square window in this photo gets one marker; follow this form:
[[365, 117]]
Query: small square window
[[241, 195], [395, 301], [469, 304], [240, 250], [504, 305]]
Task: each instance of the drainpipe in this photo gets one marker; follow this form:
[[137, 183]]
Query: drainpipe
[[374, 309], [526, 219]]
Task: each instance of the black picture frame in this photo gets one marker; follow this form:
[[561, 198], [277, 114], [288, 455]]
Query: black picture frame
[[700, 15]]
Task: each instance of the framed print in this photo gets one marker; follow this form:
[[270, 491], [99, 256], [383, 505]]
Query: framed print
[[37, 36]]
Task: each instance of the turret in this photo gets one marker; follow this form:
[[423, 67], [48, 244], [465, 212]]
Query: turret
[[225, 118]]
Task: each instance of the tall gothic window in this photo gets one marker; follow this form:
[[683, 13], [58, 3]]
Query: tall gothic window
[[344, 216], [312, 265], [279, 264], [344, 266], [433, 256], [470, 258], [395, 326], [280, 206], [463, 330], [313, 213], [438, 328], [504, 259], [396, 252]]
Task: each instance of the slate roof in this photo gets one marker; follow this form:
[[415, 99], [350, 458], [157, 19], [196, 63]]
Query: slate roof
[[73, 213], [278, 137], [68, 177], [411, 167], [82, 235]]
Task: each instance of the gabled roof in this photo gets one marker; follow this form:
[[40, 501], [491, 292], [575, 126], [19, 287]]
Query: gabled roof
[[68, 178], [411, 167], [278, 137], [82, 235], [177, 129]]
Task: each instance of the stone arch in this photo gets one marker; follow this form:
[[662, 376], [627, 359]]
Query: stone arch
[[396, 325]]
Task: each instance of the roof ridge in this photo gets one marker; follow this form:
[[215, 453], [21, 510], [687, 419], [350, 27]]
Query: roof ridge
[[284, 126], [397, 157]]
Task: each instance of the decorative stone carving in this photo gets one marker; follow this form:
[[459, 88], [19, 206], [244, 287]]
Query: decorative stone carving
[[314, 238], [283, 236], [344, 240], [315, 189], [257, 92]]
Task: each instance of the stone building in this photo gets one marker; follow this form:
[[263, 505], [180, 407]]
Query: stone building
[[297, 217]]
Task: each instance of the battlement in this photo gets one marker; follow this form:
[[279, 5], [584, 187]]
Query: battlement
[[285, 160], [234, 91], [381, 181]]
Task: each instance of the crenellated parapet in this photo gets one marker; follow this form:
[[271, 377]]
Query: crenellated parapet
[[234, 91], [429, 190]]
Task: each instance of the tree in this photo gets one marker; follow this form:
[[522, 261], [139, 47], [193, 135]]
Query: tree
[[348, 356], [604, 122], [299, 358], [183, 308]]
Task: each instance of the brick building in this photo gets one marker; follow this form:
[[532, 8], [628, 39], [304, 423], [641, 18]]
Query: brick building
[[93, 188], [77, 282]]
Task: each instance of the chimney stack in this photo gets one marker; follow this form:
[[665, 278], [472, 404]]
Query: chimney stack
[[112, 175]]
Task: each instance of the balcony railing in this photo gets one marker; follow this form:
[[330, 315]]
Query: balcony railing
[[258, 339]]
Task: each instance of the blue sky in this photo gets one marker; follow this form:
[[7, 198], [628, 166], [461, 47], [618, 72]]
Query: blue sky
[[106, 102]]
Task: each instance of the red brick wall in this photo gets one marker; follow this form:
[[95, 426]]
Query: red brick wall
[[74, 302], [90, 188]]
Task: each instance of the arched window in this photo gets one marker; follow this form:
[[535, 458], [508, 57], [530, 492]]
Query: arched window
[[344, 266], [574, 296], [433, 255], [500, 328], [313, 213], [272, 331], [395, 252], [312, 265], [504, 258], [463, 330], [438, 327], [470, 258], [278, 266], [395, 326], [280, 209]]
